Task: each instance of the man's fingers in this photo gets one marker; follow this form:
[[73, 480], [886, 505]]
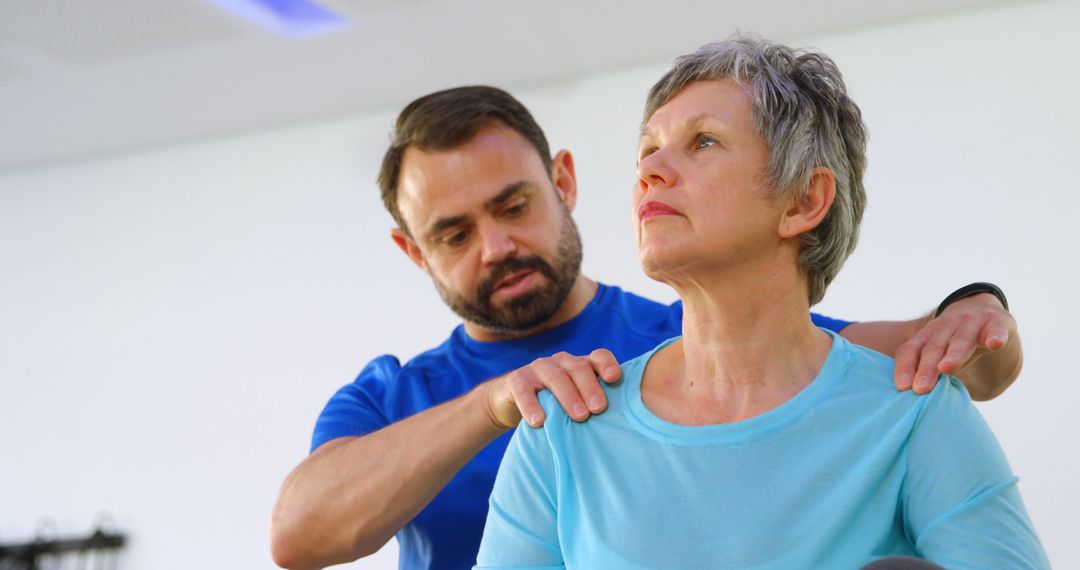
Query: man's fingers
[[571, 379], [557, 379], [605, 365], [996, 333], [947, 343], [523, 386], [932, 353], [907, 360], [961, 346], [583, 374]]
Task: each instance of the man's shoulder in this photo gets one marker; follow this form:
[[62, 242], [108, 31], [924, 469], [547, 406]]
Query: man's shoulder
[[388, 368], [383, 392], [618, 298], [639, 316]]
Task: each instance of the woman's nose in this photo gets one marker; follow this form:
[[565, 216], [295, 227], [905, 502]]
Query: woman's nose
[[655, 171]]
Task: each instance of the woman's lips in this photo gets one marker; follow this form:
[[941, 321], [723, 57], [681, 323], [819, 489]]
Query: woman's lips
[[655, 209]]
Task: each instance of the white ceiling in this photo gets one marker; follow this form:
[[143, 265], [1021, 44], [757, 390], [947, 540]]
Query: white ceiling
[[81, 77]]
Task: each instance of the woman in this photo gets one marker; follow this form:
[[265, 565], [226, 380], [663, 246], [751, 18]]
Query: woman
[[755, 440]]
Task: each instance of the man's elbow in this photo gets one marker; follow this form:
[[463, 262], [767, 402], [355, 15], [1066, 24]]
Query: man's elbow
[[295, 547], [288, 549], [286, 558], [298, 557], [293, 542]]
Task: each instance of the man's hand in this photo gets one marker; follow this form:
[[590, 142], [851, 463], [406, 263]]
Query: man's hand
[[965, 331], [572, 379]]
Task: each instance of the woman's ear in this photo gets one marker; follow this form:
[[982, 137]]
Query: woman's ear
[[807, 211]]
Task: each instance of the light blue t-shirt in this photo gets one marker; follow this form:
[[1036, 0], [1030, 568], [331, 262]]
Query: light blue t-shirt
[[845, 472], [445, 535]]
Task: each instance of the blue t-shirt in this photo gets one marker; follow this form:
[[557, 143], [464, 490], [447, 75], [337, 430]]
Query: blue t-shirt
[[446, 534], [847, 471]]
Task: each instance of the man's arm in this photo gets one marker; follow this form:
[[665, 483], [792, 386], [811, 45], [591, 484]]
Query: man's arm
[[974, 339], [350, 496]]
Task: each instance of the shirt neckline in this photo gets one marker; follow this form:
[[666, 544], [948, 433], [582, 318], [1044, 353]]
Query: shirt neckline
[[641, 418]]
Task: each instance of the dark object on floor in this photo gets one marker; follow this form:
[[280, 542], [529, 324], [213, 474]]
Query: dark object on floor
[[901, 563], [93, 552]]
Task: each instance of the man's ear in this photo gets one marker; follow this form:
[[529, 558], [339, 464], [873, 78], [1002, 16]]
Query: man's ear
[[806, 213], [409, 247], [564, 178]]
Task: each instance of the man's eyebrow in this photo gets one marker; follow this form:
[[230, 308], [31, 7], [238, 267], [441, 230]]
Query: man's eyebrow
[[490, 204], [508, 192], [443, 223]]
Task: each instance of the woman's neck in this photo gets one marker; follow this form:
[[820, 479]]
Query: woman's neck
[[748, 346]]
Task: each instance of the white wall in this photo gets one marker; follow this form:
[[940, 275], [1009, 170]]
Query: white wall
[[172, 321]]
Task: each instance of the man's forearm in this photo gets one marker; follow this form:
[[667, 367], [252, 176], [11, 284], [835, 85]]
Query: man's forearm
[[985, 378], [989, 376], [349, 497], [926, 345], [882, 336]]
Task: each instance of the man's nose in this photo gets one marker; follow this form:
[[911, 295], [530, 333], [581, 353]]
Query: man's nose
[[496, 244]]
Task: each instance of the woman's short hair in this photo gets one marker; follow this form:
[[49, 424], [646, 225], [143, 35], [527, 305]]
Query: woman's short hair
[[803, 113]]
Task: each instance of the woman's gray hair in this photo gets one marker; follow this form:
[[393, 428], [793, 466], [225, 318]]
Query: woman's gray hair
[[802, 111]]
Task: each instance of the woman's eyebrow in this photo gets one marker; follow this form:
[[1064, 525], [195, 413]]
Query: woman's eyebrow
[[694, 120]]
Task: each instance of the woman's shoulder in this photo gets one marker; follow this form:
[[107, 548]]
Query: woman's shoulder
[[872, 372], [557, 420], [868, 361]]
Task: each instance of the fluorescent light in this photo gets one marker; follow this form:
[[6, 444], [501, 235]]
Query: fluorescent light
[[287, 18]]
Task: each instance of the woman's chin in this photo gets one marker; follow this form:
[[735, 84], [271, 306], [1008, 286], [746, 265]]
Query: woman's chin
[[659, 264]]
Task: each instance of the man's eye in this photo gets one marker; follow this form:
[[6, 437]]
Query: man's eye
[[456, 238], [704, 141], [645, 152], [515, 210]]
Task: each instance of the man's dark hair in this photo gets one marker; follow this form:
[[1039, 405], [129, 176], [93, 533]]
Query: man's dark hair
[[447, 119]]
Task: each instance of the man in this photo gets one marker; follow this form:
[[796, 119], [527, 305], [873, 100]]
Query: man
[[483, 208]]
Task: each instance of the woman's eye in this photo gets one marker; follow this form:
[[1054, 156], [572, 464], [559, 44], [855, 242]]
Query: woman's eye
[[704, 141]]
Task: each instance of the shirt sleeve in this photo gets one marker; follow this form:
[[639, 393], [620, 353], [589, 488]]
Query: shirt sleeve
[[962, 508], [522, 530], [835, 325], [356, 409]]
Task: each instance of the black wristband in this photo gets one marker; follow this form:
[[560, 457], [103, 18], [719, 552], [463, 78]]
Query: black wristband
[[969, 290]]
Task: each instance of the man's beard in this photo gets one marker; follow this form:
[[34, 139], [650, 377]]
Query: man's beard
[[528, 310]]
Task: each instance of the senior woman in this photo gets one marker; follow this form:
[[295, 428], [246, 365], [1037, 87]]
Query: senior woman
[[756, 440]]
